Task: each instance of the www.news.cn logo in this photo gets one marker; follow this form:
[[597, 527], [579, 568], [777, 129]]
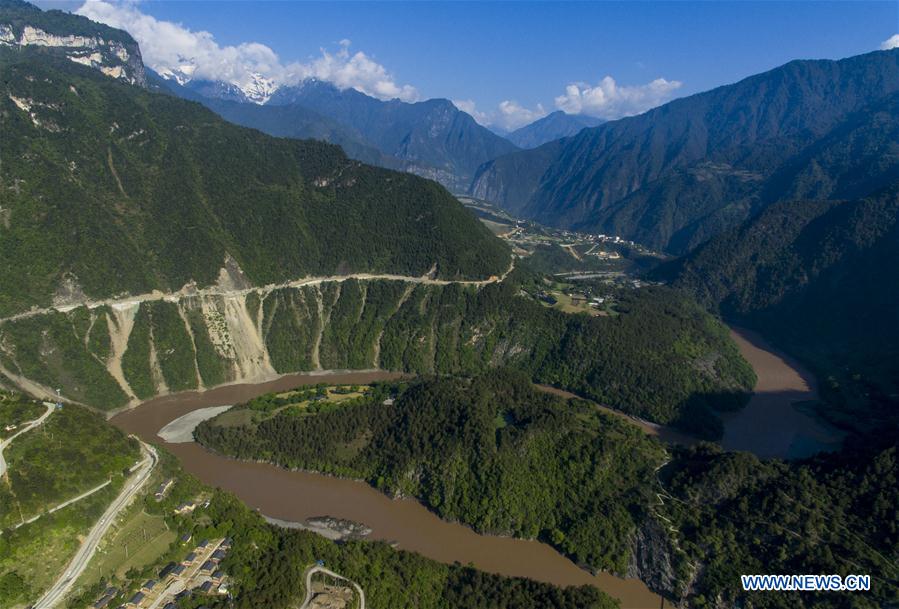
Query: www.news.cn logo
[[806, 583]]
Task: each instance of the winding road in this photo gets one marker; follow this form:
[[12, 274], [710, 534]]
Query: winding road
[[141, 474], [28, 427], [215, 290], [317, 569]]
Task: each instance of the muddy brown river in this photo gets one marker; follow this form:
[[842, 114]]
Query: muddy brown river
[[296, 496], [770, 425], [774, 423]]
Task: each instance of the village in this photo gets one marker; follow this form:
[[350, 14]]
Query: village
[[198, 573]]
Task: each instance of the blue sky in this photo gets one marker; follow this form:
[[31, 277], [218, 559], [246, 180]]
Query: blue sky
[[526, 54]]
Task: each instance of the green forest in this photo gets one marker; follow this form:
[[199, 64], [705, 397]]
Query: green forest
[[495, 453], [816, 278], [36, 481], [492, 452], [72, 452], [121, 190], [835, 513], [662, 357]]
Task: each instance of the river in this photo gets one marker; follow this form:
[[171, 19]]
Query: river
[[770, 425], [296, 496], [774, 423]]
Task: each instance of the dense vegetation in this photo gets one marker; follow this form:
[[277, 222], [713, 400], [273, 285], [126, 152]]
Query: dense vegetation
[[492, 452], [661, 357], [496, 454], [59, 350], [819, 279], [72, 452], [40, 461], [14, 411], [111, 189], [681, 173], [18, 14], [738, 515]]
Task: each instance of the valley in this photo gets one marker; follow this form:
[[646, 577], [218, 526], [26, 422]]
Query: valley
[[296, 496], [292, 333]]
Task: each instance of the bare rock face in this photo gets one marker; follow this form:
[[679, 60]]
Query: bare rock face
[[69, 292], [232, 277], [651, 558], [112, 52]]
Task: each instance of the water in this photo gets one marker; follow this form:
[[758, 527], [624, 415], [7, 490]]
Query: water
[[296, 496], [771, 424]]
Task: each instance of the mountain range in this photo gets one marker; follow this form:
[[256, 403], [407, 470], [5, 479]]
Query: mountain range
[[431, 138], [677, 175]]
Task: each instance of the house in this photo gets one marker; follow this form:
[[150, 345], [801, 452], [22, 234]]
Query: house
[[104, 600], [167, 570], [186, 508], [190, 558], [209, 566], [149, 585], [219, 554], [186, 537], [206, 587], [178, 570], [136, 599], [162, 488]]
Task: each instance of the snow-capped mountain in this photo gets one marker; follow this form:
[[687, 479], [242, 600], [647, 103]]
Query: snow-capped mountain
[[259, 89], [251, 88]]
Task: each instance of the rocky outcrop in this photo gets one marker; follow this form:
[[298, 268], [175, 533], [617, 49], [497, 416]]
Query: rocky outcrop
[[652, 558], [112, 52]]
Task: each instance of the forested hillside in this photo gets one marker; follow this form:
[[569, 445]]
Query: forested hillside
[[816, 277], [492, 452], [291, 121], [662, 357], [62, 34], [679, 174], [497, 454], [110, 189], [736, 515]]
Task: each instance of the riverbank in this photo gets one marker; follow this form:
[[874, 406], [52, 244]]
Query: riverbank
[[297, 497]]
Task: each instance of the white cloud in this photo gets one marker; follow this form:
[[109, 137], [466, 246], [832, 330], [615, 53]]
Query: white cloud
[[609, 100], [890, 43], [167, 46], [468, 106], [513, 115], [508, 115]]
